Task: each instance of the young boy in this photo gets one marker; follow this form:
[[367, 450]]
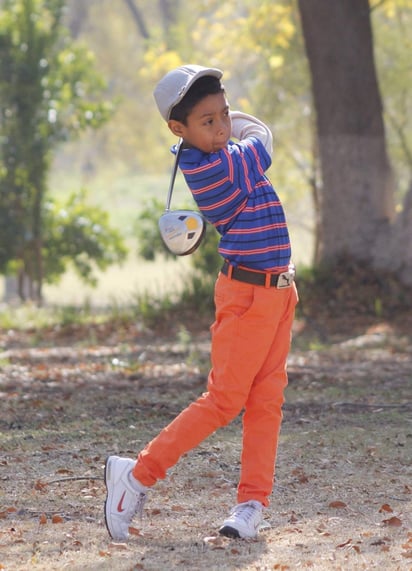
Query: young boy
[[255, 298]]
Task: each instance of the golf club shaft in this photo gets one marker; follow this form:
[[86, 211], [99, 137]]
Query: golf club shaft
[[173, 177]]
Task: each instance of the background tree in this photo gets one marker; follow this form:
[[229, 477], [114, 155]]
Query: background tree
[[49, 93], [80, 235], [358, 197]]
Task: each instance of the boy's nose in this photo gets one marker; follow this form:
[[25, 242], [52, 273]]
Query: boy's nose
[[221, 127]]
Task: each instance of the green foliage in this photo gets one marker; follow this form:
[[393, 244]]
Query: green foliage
[[205, 259], [350, 288], [78, 234], [197, 295], [49, 92], [152, 309], [392, 21], [147, 233], [28, 316], [193, 305], [45, 77]]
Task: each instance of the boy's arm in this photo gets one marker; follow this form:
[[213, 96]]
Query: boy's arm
[[244, 126]]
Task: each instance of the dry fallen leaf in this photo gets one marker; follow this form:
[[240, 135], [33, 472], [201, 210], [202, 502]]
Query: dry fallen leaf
[[323, 531], [386, 508], [337, 504], [385, 548], [393, 521], [40, 486], [407, 554], [215, 542], [43, 519], [118, 546], [356, 548], [134, 531], [211, 539], [293, 518], [57, 519], [104, 553], [366, 534], [300, 475], [348, 542]]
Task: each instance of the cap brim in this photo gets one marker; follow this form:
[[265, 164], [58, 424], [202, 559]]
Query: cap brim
[[214, 72]]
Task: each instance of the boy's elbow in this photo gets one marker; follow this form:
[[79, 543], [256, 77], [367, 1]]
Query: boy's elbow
[[268, 142]]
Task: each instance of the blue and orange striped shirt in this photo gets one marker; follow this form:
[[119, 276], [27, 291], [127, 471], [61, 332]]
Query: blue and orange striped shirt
[[233, 193]]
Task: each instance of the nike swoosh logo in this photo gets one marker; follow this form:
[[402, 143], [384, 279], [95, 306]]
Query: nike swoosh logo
[[120, 507]]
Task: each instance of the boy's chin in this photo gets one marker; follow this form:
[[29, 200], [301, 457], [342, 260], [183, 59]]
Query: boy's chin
[[218, 148]]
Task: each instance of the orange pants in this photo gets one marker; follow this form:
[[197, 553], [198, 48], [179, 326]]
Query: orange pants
[[250, 344]]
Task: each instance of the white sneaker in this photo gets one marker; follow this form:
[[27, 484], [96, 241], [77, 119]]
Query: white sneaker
[[125, 497], [244, 520]]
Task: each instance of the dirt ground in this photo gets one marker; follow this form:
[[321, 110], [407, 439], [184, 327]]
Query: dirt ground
[[343, 493]]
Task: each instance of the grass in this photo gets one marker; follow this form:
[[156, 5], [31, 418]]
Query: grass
[[118, 285], [119, 290], [164, 306]]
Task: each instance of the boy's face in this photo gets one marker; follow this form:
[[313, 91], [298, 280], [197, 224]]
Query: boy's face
[[208, 125]]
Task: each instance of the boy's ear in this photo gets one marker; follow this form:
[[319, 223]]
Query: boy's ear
[[176, 127]]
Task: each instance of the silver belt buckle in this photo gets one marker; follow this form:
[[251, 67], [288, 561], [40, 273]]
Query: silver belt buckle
[[285, 279]]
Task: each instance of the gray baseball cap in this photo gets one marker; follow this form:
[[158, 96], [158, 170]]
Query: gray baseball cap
[[174, 85]]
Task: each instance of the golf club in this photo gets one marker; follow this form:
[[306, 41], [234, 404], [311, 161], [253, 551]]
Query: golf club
[[181, 230]]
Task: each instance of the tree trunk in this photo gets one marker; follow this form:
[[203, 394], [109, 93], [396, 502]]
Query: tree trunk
[[357, 205], [11, 293]]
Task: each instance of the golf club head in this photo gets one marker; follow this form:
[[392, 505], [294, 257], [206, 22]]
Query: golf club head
[[182, 231]]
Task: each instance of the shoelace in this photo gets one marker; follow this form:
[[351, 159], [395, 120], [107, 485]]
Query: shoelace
[[245, 511], [141, 500]]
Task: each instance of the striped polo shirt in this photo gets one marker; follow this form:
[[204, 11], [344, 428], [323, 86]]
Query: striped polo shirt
[[233, 193]]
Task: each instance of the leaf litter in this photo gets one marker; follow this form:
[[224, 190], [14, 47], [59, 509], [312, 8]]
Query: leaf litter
[[343, 493]]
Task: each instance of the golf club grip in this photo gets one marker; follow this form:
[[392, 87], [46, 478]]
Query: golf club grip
[[173, 177]]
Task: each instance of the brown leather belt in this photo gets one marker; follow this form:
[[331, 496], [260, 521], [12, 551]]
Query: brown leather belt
[[285, 279]]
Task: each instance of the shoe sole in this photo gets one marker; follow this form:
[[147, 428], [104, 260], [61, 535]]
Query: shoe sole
[[230, 532], [107, 496]]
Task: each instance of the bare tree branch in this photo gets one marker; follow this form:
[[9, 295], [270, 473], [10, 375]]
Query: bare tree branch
[[138, 19], [167, 12], [377, 5], [77, 17]]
